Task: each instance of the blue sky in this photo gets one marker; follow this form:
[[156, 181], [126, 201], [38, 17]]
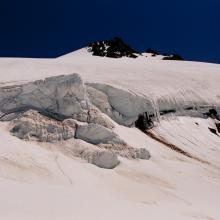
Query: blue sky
[[49, 28]]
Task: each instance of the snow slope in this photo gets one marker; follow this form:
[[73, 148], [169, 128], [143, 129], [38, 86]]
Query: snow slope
[[153, 78], [46, 181]]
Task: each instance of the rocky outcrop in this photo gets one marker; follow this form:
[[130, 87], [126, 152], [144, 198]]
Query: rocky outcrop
[[173, 57], [33, 126], [114, 48]]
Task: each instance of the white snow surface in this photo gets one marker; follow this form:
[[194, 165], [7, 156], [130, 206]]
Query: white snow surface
[[44, 181]]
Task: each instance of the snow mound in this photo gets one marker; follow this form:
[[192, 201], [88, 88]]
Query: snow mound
[[96, 134], [126, 151], [110, 141], [104, 159]]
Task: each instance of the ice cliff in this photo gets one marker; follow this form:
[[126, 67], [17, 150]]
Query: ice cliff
[[62, 108]]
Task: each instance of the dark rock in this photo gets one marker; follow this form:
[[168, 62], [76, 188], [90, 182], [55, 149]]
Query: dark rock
[[144, 122], [164, 112], [212, 113], [189, 108], [213, 131], [114, 48], [218, 127], [173, 57]]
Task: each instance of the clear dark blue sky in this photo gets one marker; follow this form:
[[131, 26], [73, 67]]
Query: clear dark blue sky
[[49, 28]]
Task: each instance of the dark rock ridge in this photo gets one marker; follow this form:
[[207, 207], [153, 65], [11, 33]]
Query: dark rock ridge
[[115, 48], [173, 57], [166, 56]]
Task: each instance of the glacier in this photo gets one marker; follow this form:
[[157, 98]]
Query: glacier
[[63, 119]]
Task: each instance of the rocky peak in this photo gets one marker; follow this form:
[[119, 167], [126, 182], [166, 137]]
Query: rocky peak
[[114, 48]]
